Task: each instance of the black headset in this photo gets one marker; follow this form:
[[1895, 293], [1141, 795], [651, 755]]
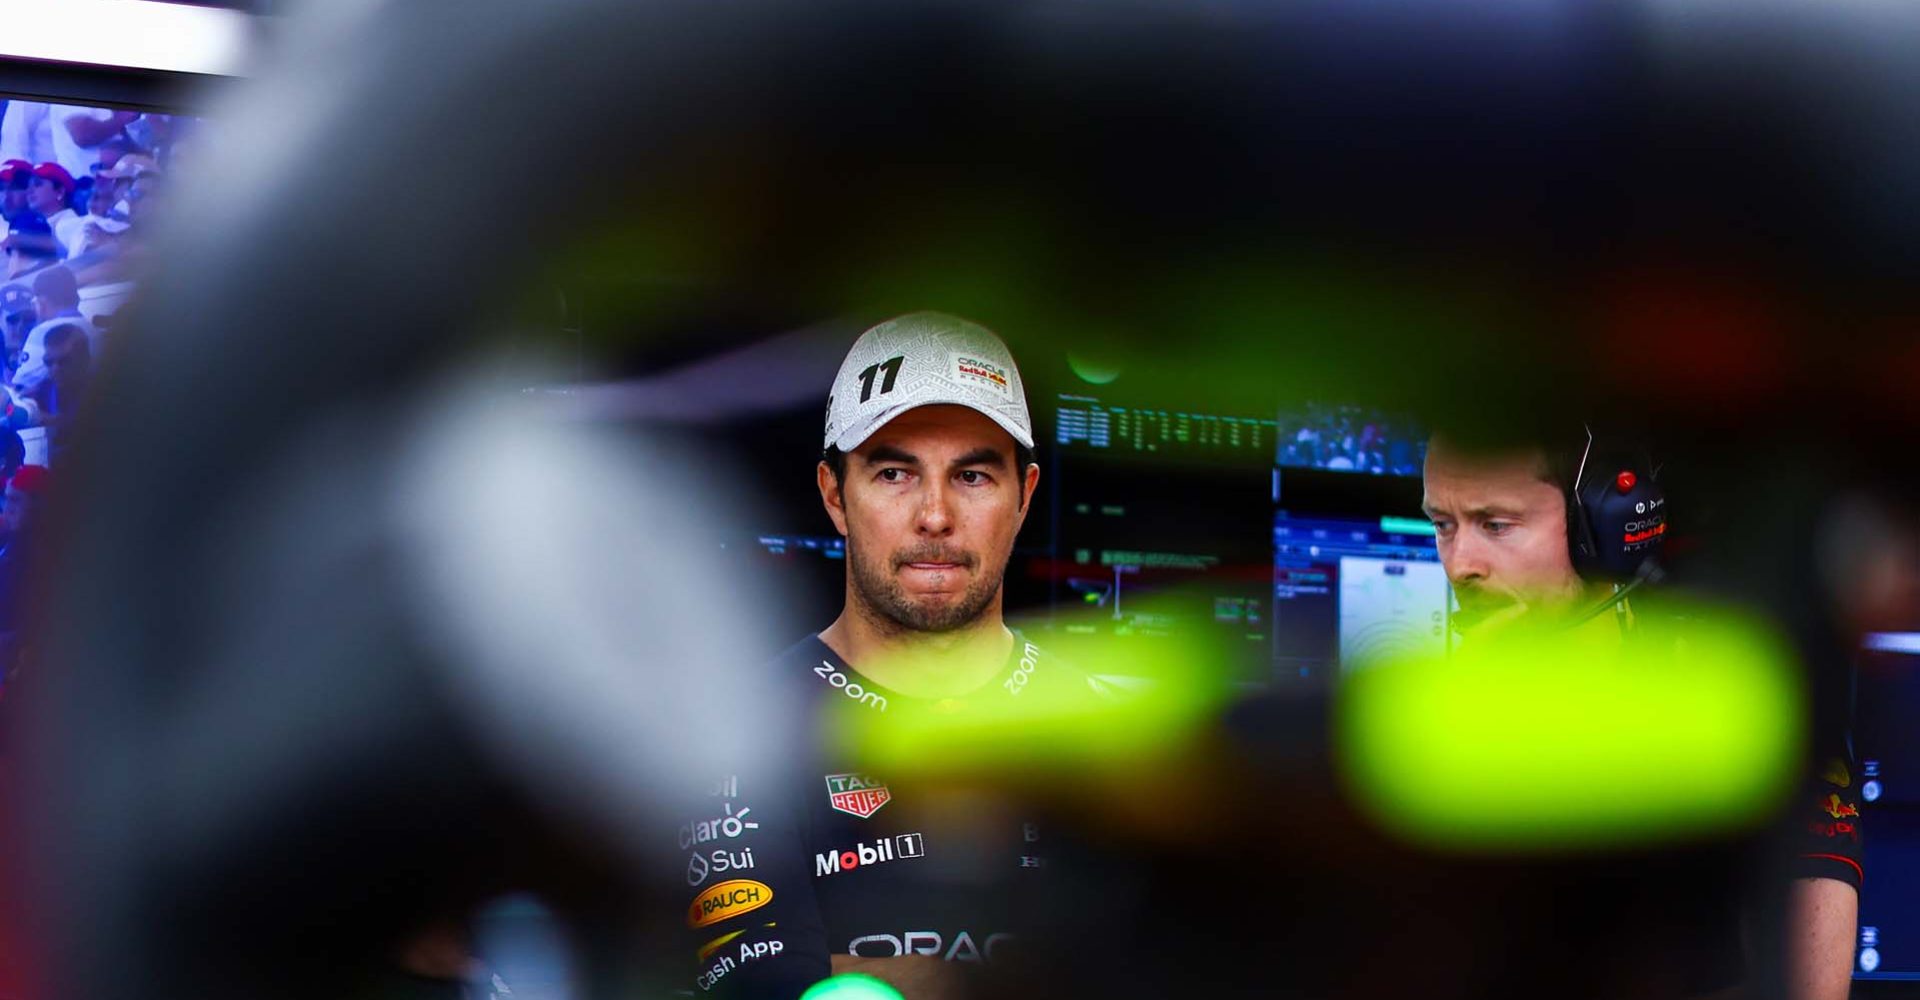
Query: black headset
[[1616, 519], [1618, 512]]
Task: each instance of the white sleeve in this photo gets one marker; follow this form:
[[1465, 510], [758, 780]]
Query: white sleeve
[[71, 232], [23, 133], [70, 154]]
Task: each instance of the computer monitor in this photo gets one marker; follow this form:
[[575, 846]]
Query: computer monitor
[[1886, 701], [1290, 538], [1348, 591], [80, 185]]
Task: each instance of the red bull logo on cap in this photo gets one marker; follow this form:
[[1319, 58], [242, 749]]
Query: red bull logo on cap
[[1838, 809]]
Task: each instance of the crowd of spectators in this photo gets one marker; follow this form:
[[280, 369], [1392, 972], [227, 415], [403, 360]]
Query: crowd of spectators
[[1349, 439], [77, 185]]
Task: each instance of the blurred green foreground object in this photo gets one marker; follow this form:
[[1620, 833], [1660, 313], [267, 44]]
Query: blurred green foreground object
[[1551, 742], [851, 986]]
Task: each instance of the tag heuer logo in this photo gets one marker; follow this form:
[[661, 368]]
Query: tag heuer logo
[[859, 795]]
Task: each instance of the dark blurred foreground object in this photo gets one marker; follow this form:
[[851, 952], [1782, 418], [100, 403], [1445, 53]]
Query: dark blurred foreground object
[[260, 750]]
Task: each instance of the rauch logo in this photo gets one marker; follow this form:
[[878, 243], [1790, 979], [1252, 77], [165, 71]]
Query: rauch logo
[[727, 900]]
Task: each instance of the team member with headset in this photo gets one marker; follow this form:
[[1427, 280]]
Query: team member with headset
[[822, 864], [1560, 537]]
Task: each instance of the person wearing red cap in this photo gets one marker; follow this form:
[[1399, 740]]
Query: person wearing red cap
[[47, 193], [23, 491]]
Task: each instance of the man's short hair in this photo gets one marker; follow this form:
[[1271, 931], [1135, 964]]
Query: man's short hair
[[32, 236], [65, 333], [1559, 449], [1559, 456], [56, 284]]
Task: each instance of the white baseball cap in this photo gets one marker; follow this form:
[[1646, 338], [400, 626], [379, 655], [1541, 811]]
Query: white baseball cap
[[922, 359]]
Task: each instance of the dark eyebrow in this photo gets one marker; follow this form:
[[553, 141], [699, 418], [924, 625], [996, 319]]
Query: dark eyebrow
[[886, 454], [1475, 513], [983, 456]]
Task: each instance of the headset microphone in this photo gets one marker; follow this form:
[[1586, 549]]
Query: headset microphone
[[1650, 572]]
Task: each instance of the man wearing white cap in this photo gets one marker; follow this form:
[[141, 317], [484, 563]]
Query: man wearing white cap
[[824, 865], [928, 471]]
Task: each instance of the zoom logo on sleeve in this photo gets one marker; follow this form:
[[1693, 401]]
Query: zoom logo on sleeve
[[851, 688], [906, 845], [727, 900]]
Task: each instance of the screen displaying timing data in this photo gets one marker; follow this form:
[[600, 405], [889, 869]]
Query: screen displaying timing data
[[1087, 423], [1887, 750], [1347, 591], [1160, 529]]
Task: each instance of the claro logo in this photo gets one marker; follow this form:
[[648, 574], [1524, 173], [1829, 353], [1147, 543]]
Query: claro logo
[[727, 900]]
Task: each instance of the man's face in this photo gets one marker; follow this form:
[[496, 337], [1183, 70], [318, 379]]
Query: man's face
[[14, 200], [100, 202], [1502, 533], [44, 196], [930, 506], [17, 326]]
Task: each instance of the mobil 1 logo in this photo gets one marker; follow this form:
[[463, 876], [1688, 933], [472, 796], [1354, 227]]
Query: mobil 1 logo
[[906, 845]]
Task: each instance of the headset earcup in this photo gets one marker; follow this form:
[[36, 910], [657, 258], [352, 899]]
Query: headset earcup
[[1622, 528]]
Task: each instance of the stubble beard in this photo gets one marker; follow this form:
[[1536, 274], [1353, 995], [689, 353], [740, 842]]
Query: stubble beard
[[884, 601]]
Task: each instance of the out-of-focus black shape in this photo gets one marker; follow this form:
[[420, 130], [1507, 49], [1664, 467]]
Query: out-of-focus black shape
[[1544, 193]]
